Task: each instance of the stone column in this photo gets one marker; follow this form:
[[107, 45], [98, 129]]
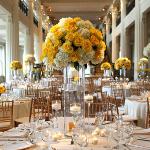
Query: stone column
[[31, 28], [138, 38], [40, 36], [9, 49], [108, 24], [15, 31], [123, 31], [114, 50]]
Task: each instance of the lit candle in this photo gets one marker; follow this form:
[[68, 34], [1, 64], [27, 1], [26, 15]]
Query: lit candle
[[94, 140], [88, 98], [75, 109], [56, 106]]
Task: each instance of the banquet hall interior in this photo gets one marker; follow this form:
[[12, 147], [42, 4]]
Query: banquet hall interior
[[74, 74]]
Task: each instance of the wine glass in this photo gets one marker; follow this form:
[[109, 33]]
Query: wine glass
[[99, 119], [56, 106], [75, 110]]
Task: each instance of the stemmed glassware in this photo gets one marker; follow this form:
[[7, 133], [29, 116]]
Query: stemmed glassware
[[75, 110], [56, 106]]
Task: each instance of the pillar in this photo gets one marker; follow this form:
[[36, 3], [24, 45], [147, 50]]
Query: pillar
[[31, 29], [108, 24], [123, 31], [15, 31], [40, 36], [114, 50], [9, 49], [138, 51]]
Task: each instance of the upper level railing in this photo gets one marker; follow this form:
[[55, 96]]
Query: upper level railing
[[129, 6], [24, 7]]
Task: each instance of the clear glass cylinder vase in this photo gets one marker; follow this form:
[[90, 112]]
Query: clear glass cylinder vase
[[123, 73], [74, 90], [15, 74]]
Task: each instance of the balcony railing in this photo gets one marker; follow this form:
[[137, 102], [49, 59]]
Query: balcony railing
[[118, 20], [35, 20], [23, 7], [130, 5], [44, 35]]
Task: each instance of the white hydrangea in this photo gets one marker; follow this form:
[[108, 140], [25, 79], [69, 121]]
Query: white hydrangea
[[63, 21], [146, 50], [97, 61], [84, 33], [61, 60], [84, 24], [86, 57]]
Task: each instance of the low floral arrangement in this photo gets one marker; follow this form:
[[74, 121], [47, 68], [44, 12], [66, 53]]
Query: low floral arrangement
[[2, 89], [123, 63], [105, 66], [75, 41], [15, 65], [29, 59], [143, 61], [146, 50]]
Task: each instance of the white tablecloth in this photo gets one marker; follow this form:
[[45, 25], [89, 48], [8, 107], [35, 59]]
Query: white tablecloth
[[108, 90], [137, 109]]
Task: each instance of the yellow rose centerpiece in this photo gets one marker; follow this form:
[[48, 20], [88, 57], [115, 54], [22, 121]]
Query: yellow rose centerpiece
[[29, 59], [123, 63], [15, 65], [2, 89], [73, 40], [105, 66], [143, 61]]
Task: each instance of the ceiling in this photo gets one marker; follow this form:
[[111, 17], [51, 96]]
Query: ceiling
[[93, 10]]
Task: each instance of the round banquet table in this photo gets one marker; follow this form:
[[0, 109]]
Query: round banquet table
[[136, 108], [109, 92]]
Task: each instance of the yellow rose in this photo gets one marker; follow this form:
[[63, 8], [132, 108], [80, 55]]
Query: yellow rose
[[67, 47], [105, 66], [70, 25], [96, 33], [94, 40], [70, 37], [78, 40], [74, 57], [86, 45]]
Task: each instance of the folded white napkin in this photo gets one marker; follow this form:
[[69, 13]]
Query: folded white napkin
[[14, 134], [142, 131]]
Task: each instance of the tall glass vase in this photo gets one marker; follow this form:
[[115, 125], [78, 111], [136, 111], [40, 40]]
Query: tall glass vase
[[123, 72], [15, 74], [74, 89]]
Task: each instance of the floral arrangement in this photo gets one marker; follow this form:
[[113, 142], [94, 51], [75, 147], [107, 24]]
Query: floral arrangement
[[73, 40], [143, 61], [29, 59], [15, 65], [2, 89], [122, 63], [105, 66], [146, 50]]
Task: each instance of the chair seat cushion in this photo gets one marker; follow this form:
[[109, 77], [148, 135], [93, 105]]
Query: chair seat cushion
[[128, 118], [22, 120]]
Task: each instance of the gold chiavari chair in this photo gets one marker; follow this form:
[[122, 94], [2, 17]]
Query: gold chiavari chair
[[30, 91], [89, 85], [103, 107], [45, 93], [135, 90], [6, 115], [118, 93], [116, 112], [41, 108], [148, 114]]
